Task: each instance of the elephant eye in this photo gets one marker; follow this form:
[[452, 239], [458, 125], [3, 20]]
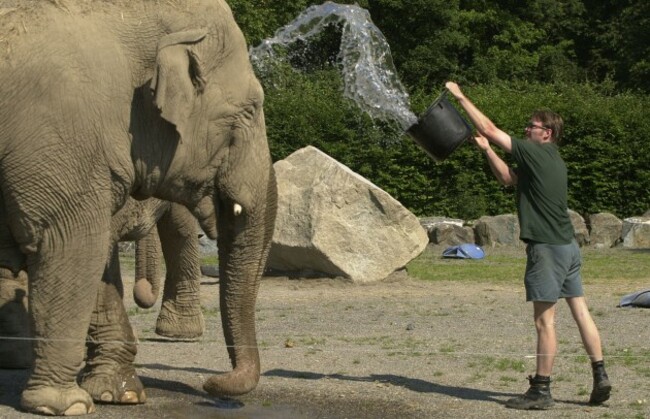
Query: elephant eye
[[245, 116]]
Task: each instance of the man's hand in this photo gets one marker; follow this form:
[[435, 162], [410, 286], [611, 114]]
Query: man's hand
[[454, 89], [481, 142]]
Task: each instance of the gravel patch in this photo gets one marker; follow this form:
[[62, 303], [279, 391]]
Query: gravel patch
[[399, 348]]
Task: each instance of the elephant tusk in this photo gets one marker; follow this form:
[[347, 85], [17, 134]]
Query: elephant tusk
[[237, 209]]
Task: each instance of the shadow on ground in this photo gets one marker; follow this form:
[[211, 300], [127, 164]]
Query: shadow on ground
[[412, 384]]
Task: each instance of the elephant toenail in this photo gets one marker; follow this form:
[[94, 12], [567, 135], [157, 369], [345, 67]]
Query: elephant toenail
[[107, 397], [129, 397], [79, 409]]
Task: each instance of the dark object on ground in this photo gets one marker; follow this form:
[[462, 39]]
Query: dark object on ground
[[636, 299]]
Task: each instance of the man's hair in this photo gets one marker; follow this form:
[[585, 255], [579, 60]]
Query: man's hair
[[550, 119]]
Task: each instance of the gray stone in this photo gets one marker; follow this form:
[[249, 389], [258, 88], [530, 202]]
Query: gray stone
[[449, 231], [332, 220], [501, 230], [428, 222], [604, 230], [450, 234], [636, 232], [207, 246], [581, 233]]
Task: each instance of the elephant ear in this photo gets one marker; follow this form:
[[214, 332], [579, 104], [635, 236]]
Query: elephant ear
[[178, 78]]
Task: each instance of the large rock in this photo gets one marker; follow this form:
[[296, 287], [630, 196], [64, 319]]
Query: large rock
[[580, 230], [604, 230], [497, 230], [448, 231], [504, 230], [333, 221], [636, 232]]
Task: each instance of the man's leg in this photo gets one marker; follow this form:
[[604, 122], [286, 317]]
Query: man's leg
[[588, 331], [591, 341], [544, 313], [538, 395]]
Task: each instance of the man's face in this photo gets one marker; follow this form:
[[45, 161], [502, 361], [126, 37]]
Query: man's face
[[536, 132]]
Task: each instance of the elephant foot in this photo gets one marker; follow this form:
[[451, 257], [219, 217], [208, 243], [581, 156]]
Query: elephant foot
[[121, 387], [56, 401], [234, 383], [186, 324]]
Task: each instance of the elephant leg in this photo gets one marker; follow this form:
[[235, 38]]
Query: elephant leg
[[244, 240], [180, 314], [64, 277], [109, 375]]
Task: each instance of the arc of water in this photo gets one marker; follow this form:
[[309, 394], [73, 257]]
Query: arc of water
[[369, 74]]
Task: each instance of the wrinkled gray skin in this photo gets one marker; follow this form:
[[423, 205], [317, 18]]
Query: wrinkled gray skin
[[159, 226], [101, 100], [144, 222]]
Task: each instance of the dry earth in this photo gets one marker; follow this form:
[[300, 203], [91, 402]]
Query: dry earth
[[399, 348]]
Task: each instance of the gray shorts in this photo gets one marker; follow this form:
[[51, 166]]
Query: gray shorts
[[553, 272]]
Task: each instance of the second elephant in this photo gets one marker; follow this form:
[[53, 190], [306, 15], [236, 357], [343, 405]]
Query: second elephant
[[180, 315], [157, 226]]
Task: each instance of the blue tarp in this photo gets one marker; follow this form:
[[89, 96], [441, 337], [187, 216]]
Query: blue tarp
[[464, 251]]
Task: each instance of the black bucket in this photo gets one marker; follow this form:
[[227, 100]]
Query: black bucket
[[441, 129]]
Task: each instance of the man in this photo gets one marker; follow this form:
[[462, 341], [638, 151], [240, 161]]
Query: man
[[553, 256]]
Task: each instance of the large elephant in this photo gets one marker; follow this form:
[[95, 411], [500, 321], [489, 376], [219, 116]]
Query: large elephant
[[102, 100]]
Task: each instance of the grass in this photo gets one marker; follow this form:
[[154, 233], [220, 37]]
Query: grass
[[430, 266], [127, 261], [504, 265], [489, 363], [631, 358], [507, 265]]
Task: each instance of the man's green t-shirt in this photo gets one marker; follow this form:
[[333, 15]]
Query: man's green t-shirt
[[541, 193]]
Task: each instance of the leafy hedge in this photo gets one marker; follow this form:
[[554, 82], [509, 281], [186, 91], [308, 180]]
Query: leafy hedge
[[604, 145]]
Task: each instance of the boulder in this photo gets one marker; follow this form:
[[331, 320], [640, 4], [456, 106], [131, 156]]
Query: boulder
[[429, 222], [604, 230], [581, 233], [636, 232], [333, 221], [448, 231], [207, 246], [497, 230]]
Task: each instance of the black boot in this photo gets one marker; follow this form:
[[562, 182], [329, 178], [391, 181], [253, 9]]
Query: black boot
[[538, 396], [602, 386]]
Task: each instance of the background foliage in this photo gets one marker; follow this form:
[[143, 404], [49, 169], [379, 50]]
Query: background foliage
[[585, 59]]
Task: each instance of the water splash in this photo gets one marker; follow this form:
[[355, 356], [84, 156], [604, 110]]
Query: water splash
[[368, 72]]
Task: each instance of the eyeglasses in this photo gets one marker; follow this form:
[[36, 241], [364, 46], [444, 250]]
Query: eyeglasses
[[530, 125]]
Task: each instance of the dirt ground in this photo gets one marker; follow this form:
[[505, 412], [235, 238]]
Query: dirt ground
[[399, 348]]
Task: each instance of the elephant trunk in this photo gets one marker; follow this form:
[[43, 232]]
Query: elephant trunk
[[242, 259], [147, 269]]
